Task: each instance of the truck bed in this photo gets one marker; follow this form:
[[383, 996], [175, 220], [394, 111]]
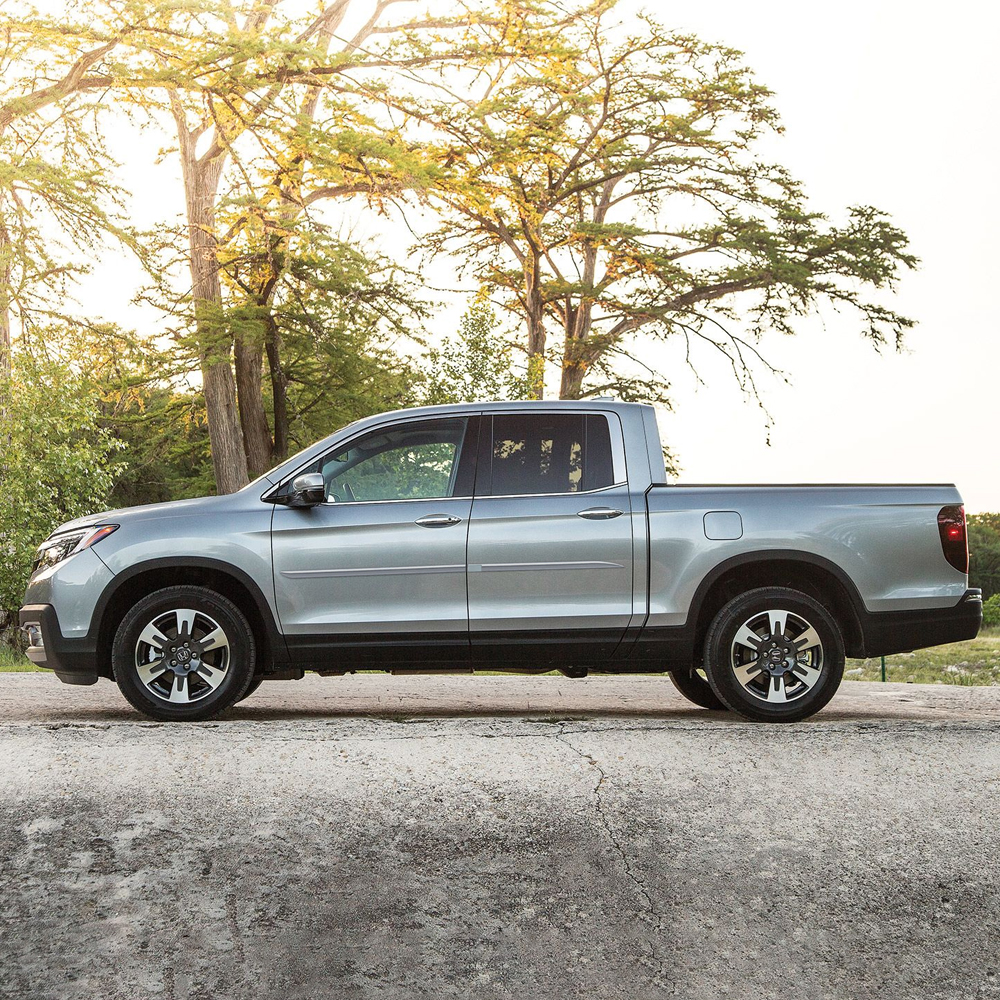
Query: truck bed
[[884, 538]]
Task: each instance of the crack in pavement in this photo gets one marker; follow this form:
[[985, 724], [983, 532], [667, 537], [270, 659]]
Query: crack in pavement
[[317, 735], [655, 917], [235, 932]]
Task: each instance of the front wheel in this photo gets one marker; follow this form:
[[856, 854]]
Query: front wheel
[[184, 653], [774, 655]]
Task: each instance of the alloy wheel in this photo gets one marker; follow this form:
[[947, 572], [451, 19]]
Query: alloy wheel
[[777, 656], [182, 656]]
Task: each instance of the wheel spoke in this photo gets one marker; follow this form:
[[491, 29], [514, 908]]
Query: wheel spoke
[[747, 672], [776, 691], [185, 621], [806, 673], [216, 639], [778, 620], [152, 636], [148, 672], [747, 637], [808, 640], [180, 692], [212, 677]]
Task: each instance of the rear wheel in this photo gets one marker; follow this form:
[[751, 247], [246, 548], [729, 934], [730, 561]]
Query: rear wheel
[[695, 687], [254, 684], [774, 655], [184, 653]]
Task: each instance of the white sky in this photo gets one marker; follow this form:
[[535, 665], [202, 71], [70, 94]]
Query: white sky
[[891, 104], [885, 103]]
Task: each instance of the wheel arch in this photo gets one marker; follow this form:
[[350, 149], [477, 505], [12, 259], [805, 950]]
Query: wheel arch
[[138, 581], [813, 575]]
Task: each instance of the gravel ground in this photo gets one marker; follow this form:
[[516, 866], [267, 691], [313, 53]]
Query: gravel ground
[[404, 837]]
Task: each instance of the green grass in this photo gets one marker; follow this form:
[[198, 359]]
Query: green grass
[[974, 663], [12, 660]]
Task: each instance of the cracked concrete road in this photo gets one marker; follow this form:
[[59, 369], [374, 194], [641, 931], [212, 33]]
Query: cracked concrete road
[[489, 837]]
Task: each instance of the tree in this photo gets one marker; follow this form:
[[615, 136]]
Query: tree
[[479, 364], [984, 553], [608, 185], [337, 145], [336, 311], [243, 90], [287, 285], [54, 171], [268, 125], [58, 462], [144, 399], [214, 102]]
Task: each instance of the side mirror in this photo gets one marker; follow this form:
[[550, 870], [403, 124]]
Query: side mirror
[[308, 490]]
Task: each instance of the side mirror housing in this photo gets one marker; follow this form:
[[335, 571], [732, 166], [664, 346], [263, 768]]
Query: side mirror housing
[[308, 490]]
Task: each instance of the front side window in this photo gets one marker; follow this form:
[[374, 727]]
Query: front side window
[[550, 453], [412, 461]]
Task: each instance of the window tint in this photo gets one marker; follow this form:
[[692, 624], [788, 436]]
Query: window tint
[[550, 453], [411, 461]]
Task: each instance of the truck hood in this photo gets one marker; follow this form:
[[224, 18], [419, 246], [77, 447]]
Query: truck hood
[[150, 511]]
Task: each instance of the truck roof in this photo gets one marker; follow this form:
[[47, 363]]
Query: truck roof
[[518, 404]]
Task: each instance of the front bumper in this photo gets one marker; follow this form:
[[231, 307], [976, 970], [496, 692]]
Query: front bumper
[[73, 660], [903, 631]]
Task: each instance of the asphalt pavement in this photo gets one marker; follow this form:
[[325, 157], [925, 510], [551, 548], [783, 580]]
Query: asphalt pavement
[[491, 837]]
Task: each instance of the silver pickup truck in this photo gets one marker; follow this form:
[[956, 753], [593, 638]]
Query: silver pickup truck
[[517, 536]]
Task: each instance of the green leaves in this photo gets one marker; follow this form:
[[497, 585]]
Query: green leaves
[[991, 611], [479, 364], [984, 555], [56, 462], [58, 201]]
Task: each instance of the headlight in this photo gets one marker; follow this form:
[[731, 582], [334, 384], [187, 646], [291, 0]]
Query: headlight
[[59, 547]]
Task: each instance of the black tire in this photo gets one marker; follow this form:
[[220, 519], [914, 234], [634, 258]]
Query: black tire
[[254, 684], [695, 688], [807, 675], [211, 673]]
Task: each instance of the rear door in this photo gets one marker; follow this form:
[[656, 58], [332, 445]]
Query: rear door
[[550, 539], [380, 567]]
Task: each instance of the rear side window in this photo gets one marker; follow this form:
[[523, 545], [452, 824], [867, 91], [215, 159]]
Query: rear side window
[[550, 453]]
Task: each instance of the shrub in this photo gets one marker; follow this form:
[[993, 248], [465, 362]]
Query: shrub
[[991, 611], [984, 553], [56, 462]]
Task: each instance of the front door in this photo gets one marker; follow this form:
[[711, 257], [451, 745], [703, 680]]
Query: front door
[[550, 541], [378, 571]]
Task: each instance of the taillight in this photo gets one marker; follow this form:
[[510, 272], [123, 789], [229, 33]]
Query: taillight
[[954, 541]]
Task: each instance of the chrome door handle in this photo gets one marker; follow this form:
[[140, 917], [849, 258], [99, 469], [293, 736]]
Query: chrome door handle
[[599, 513], [437, 520]]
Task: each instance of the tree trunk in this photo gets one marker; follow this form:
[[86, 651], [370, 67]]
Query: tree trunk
[[578, 351], [279, 390], [228, 458], [6, 271], [535, 315], [572, 378], [253, 419], [201, 179]]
